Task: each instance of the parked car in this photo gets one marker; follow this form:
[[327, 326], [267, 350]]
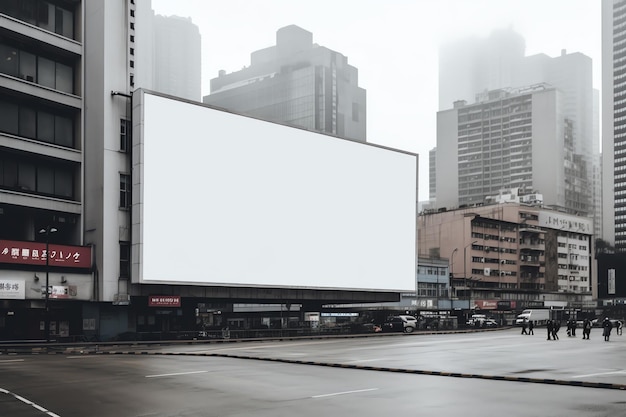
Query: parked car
[[401, 323], [490, 323], [482, 321]]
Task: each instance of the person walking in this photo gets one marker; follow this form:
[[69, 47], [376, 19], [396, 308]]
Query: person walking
[[556, 326], [531, 327], [586, 328], [524, 325], [574, 325], [549, 328], [606, 326]]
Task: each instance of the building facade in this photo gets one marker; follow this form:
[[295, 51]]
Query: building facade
[[509, 139], [499, 62], [299, 83], [177, 57], [512, 253], [614, 123]]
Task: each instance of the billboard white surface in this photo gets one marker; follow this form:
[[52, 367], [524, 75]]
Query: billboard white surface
[[230, 200]]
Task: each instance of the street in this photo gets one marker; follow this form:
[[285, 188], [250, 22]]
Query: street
[[492, 372]]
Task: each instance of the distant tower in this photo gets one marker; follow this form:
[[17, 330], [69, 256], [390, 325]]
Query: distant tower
[[299, 83], [471, 69], [613, 124], [471, 66], [509, 139], [177, 57]]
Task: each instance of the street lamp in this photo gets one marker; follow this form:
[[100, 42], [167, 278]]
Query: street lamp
[[47, 232]]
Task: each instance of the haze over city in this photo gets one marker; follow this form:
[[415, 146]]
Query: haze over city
[[394, 45]]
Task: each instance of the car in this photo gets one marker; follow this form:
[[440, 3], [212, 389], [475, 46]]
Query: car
[[481, 321], [402, 323], [490, 323]]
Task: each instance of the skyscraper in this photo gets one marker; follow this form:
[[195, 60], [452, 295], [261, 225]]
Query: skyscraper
[[614, 123], [177, 57], [299, 83], [470, 68], [509, 139]]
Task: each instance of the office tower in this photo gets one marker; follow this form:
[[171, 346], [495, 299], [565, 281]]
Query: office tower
[[509, 139], [613, 123], [299, 83], [67, 72], [177, 57], [471, 66], [498, 62]]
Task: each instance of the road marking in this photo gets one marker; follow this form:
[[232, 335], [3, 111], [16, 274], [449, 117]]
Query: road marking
[[344, 393], [12, 360], [600, 373], [28, 402], [81, 357], [175, 374]]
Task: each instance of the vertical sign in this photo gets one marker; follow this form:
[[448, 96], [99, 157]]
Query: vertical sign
[[611, 281]]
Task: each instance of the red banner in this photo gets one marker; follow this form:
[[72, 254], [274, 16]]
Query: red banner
[[164, 301], [34, 253]]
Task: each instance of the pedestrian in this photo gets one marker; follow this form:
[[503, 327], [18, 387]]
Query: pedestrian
[[549, 328], [524, 325], [556, 326], [586, 328], [606, 326], [530, 327], [574, 325]]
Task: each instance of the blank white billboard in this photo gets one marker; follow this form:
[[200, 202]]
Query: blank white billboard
[[227, 200]]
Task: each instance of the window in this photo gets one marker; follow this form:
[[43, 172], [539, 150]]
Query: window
[[124, 191], [125, 260], [355, 112], [125, 135], [8, 118], [42, 124]]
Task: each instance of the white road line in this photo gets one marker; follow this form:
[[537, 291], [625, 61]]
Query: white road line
[[623, 371], [28, 402], [344, 393], [81, 357], [175, 374], [12, 360]]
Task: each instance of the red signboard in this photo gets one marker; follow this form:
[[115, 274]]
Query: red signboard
[[34, 253], [164, 301], [486, 304]]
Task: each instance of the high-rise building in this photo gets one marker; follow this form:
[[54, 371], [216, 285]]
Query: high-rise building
[[470, 68], [509, 139], [299, 83], [67, 72], [177, 57], [614, 123]]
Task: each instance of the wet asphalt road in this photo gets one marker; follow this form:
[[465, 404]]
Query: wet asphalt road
[[333, 377]]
